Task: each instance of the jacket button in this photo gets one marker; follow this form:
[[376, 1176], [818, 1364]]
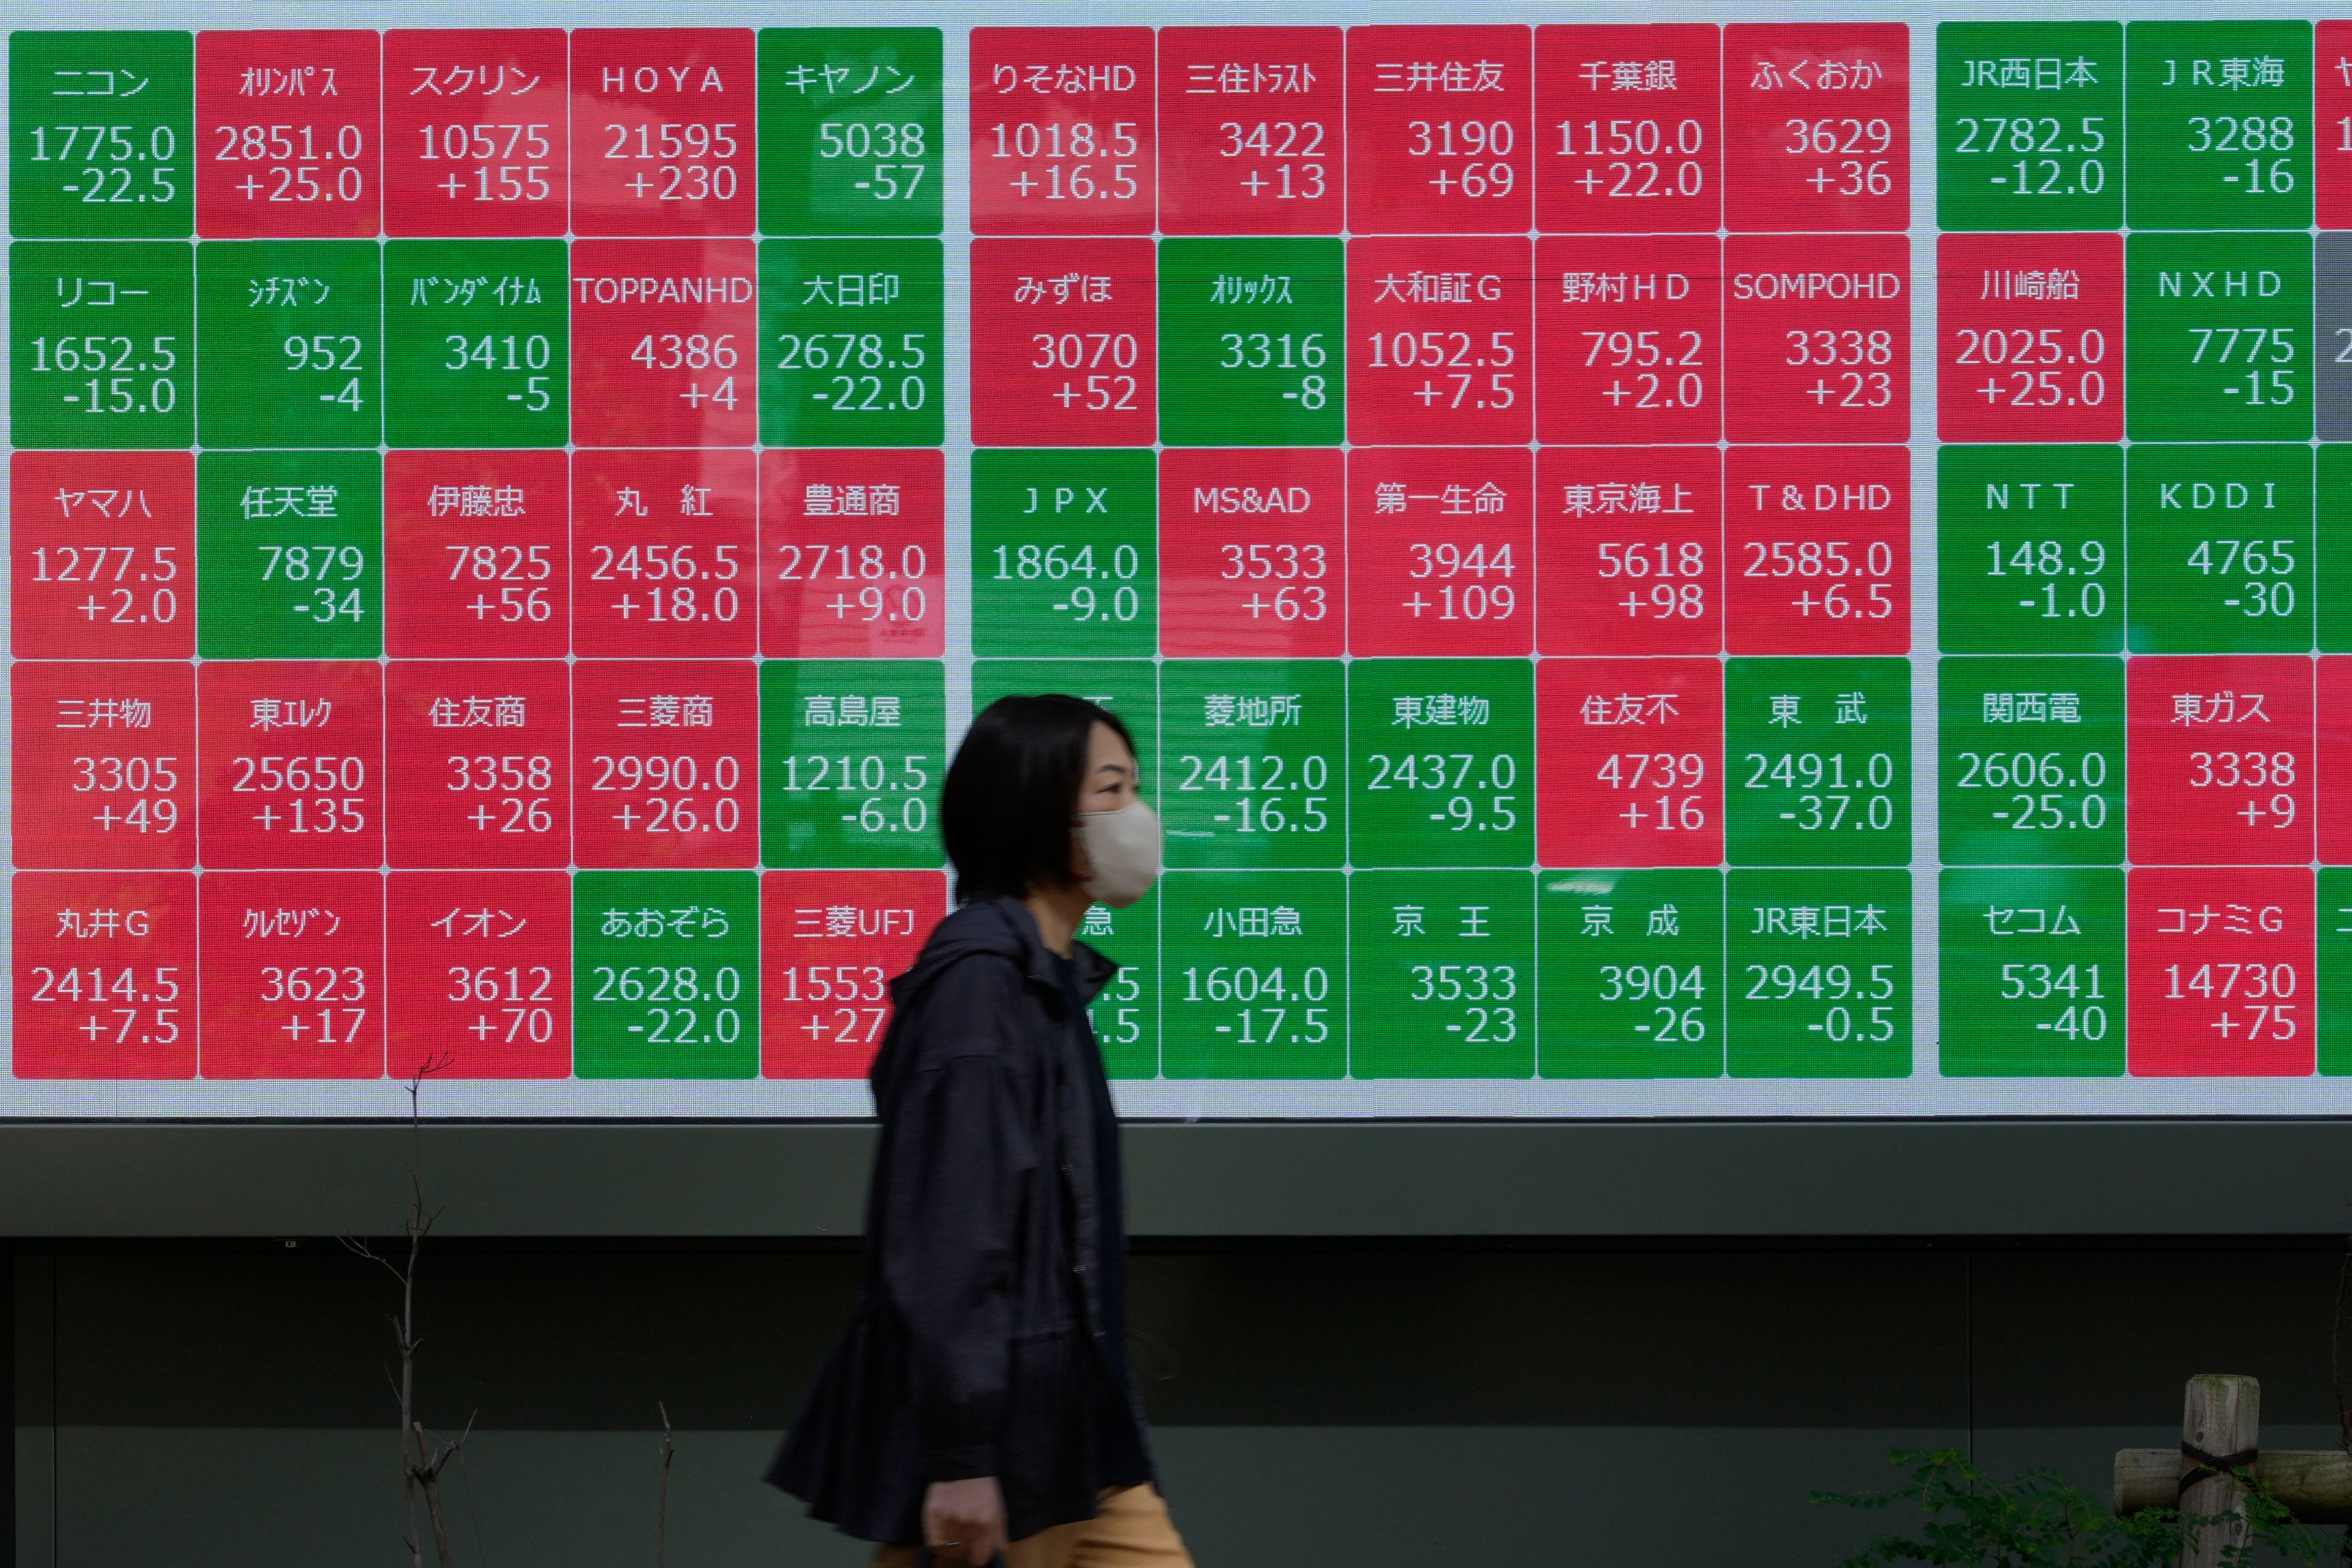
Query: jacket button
[[1068, 1169], [1077, 1269]]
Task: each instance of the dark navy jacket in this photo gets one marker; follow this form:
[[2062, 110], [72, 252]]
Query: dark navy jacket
[[984, 1339]]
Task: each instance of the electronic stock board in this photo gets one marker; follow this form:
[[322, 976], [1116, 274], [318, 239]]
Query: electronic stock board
[[1662, 561]]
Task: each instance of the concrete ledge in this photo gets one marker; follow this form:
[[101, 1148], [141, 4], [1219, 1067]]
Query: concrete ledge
[[1211, 1179]]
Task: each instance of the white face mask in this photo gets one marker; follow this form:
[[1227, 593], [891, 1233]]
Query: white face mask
[[1124, 847]]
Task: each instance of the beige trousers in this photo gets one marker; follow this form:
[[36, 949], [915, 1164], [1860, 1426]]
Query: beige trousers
[[1131, 1530]]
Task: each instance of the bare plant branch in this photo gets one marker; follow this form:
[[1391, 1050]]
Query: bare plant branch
[[422, 1458], [661, 1509]]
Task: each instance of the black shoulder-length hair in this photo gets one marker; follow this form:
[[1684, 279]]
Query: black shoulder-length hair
[[1010, 794]]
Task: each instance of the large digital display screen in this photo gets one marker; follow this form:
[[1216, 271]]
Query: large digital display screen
[[1674, 560]]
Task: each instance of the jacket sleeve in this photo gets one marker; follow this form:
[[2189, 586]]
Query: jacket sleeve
[[958, 1155]]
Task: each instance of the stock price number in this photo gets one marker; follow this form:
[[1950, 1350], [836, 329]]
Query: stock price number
[[679, 1005], [690, 156], [1271, 795], [1473, 155], [2036, 143], [1108, 358], [2258, 995], [507, 353], [320, 572], [108, 160], [110, 370], [886, 795], [2255, 771], [305, 795], [1454, 360], [300, 162], [2081, 1015], [1293, 149], [2050, 793], [1272, 1011], [672, 582], [2257, 136], [1828, 795], [2050, 560], [329, 354], [888, 589], [517, 1002], [106, 567], [1457, 574], [1858, 147], [1643, 157], [492, 152], [2031, 354], [892, 151], [847, 1001], [1675, 572], [1076, 566], [2266, 566], [1845, 355], [1072, 153], [511, 778], [1485, 994], [126, 1006], [671, 795], [1848, 589], [340, 990], [1670, 773], [1676, 998], [519, 573], [135, 793], [1857, 1008], [1298, 568], [863, 373], [692, 351], [1284, 351], [1651, 355], [1463, 779], [2255, 348]]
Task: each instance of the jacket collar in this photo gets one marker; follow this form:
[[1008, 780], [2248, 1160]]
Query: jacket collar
[[1094, 969]]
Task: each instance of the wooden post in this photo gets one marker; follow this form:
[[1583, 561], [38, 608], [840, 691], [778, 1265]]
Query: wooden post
[[2220, 1429]]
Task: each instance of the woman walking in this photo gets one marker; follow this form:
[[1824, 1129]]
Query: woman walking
[[980, 1403]]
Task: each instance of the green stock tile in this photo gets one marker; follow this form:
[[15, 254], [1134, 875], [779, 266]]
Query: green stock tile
[[1441, 765], [2029, 125], [1821, 974], [2032, 979], [2029, 553], [1254, 763], [851, 334], [2217, 342], [666, 974], [290, 555], [476, 343], [2218, 131], [2220, 539], [1817, 757], [101, 344], [1252, 343], [2031, 766], [290, 345], [102, 135], [851, 133], [852, 752], [1632, 972], [1065, 553], [1441, 976], [1254, 974]]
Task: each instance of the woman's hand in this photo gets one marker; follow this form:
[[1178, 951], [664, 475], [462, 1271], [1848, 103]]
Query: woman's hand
[[964, 1521]]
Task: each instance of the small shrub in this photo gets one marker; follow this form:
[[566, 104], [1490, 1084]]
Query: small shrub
[[2037, 1521]]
